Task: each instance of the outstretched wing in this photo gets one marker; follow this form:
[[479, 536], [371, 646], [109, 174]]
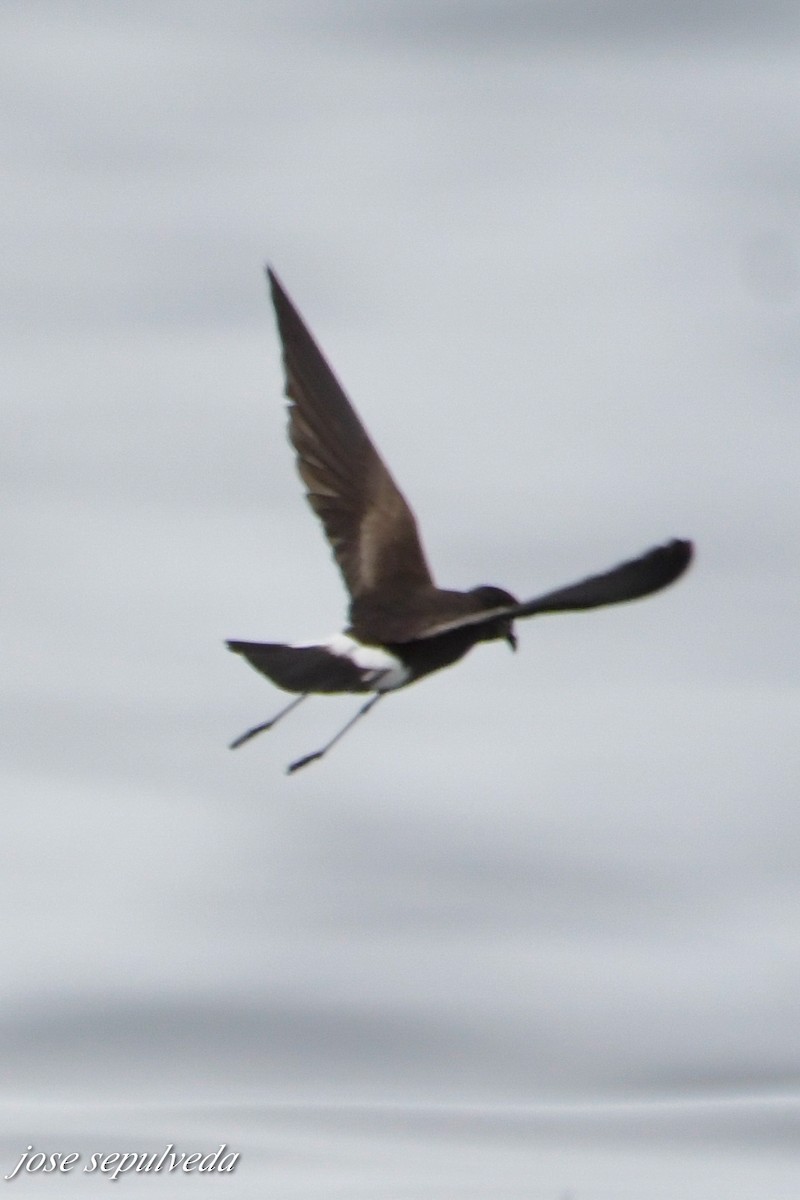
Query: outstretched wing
[[629, 581], [371, 529]]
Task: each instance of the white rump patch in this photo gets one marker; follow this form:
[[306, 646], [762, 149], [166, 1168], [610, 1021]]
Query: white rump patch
[[380, 669]]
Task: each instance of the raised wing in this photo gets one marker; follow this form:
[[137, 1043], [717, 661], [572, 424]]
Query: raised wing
[[629, 581], [371, 529]]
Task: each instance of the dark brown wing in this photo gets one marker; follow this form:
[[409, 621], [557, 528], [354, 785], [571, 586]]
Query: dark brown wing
[[367, 521], [629, 581]]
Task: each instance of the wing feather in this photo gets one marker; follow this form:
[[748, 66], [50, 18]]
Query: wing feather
[[367, 520], [638, 577]]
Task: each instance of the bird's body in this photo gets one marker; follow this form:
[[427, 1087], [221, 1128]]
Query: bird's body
[[401, 625]]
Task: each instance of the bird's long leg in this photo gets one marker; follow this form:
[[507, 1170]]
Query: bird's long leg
[[245, 737], [309, 758]]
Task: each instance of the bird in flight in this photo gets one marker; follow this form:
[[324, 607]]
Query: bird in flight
[[401, 625]]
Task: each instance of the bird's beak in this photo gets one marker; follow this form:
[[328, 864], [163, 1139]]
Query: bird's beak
[[511, 638]]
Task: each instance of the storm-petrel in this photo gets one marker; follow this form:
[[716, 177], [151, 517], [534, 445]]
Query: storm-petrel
[[401, 625]]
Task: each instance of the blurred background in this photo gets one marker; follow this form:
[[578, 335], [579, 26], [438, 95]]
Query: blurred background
[[533, 929]]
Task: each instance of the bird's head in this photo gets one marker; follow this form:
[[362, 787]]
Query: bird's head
[[490, 597]]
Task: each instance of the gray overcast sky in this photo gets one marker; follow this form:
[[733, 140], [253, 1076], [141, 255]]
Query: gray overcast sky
[[553, 251]]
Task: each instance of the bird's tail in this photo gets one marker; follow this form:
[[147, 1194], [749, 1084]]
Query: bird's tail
[[302, 668]]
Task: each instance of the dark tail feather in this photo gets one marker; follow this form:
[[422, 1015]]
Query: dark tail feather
[[301, 668]]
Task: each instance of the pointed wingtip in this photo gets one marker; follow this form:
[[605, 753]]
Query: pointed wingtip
[[284, 308]]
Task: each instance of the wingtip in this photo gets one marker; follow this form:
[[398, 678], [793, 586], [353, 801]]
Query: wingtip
[[683, 549], [673, 559], [284, 308]]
